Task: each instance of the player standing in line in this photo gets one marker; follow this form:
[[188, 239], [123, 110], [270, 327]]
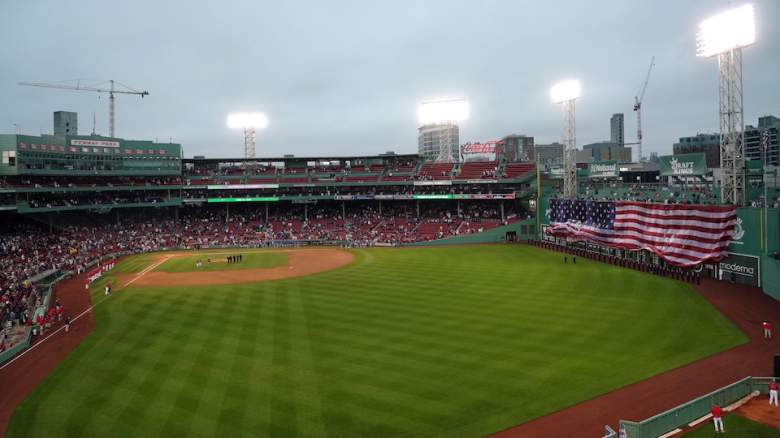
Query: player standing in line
[[773, 387], [767, 329], [67, 324], [717, 418]]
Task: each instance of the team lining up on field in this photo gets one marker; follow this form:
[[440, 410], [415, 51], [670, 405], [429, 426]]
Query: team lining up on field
[[231, 259]]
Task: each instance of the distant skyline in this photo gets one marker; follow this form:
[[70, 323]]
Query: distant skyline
[[345, 77]]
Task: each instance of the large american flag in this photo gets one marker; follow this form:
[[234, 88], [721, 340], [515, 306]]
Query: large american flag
[[683, 235]]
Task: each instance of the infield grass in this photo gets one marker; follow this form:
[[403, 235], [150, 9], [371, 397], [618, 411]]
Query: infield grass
[[456, 341], [251, 260]]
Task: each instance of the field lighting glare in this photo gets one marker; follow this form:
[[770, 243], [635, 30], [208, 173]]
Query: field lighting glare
[[726, 31], [442, 111], [247, 120], [565, 91]]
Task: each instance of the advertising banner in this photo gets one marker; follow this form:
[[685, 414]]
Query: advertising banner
[[241, 186], [434, 183], [98, 271], [253, 199], [683, 165], [740, 268], [747, 232], [603, 169]]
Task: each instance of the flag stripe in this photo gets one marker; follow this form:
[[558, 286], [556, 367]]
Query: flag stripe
[[683, 235]]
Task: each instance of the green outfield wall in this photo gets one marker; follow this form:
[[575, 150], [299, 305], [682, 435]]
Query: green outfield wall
[[524, 230]]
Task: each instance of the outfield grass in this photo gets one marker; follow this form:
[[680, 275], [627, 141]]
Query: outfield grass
[[456, 341], [736, 426], [251, 260]]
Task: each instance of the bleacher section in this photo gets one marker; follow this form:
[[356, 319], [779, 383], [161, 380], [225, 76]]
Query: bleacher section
[[517, 169], [436, 171], [478, 170]]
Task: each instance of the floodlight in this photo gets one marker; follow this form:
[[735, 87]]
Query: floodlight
[[247, 120], [726, 31], [442, 111], [565, 91]]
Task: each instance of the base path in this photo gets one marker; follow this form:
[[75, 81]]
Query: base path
[[744, 306], [300, 262], [21, 375]]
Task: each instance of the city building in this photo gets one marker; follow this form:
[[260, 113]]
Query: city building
[[66, 123], [709, 144], [431, 137], [517, 147], [769, 128], [607, 150], [549, 153], [616, 129]]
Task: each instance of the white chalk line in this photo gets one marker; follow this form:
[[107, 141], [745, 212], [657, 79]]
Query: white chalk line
[[89, 309]]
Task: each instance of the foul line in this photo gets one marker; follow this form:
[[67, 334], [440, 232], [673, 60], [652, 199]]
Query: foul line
[[148, 268], [89, 309]]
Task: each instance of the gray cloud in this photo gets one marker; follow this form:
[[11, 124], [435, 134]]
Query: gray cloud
[[344, 77]]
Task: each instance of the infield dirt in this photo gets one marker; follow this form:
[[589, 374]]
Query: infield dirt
[[300, 262]]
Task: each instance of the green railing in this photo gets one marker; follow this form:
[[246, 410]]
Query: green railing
[[693, 410]]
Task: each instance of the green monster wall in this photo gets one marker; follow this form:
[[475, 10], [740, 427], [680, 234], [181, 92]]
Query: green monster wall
[[524, 229]]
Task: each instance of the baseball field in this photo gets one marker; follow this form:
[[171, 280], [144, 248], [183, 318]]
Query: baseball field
[[456, 341]]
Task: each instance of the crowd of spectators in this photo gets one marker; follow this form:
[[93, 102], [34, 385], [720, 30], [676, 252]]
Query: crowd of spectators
[[28, 248]]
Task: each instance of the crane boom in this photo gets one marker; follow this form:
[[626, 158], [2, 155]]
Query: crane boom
[[111, 92], [638, 108], [80, 88]]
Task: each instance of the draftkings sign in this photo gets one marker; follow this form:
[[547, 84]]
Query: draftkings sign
[[683, 165]]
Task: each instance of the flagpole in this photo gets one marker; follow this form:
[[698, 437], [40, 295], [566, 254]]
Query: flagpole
[[764, 147]]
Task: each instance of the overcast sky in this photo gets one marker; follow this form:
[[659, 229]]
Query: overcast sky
[[340, 77]]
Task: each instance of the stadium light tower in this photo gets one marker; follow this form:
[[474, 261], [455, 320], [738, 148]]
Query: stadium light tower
[[249, 122], [724, 35], [443, 116], [566, 93]]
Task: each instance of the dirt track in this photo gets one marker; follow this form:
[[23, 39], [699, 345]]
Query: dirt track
[[299, 262]]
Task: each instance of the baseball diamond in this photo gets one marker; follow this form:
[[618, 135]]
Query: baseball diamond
[[338, 353]]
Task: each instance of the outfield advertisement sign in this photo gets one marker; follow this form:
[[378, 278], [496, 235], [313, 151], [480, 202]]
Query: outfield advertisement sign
[[252, 199], [241, 186], [683, 165], [603, 169], [442, 182], [556, 172], [742, 268]]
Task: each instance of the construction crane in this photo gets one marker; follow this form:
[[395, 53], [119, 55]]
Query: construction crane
[[78, 87], [638, 108]]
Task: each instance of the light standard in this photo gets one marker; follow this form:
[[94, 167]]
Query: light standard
[[724, 35], [566, 93], [248, 122]]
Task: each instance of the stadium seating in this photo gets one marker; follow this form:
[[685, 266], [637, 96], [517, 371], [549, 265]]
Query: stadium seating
[[478, 170], [516, 169], [435, 171]]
